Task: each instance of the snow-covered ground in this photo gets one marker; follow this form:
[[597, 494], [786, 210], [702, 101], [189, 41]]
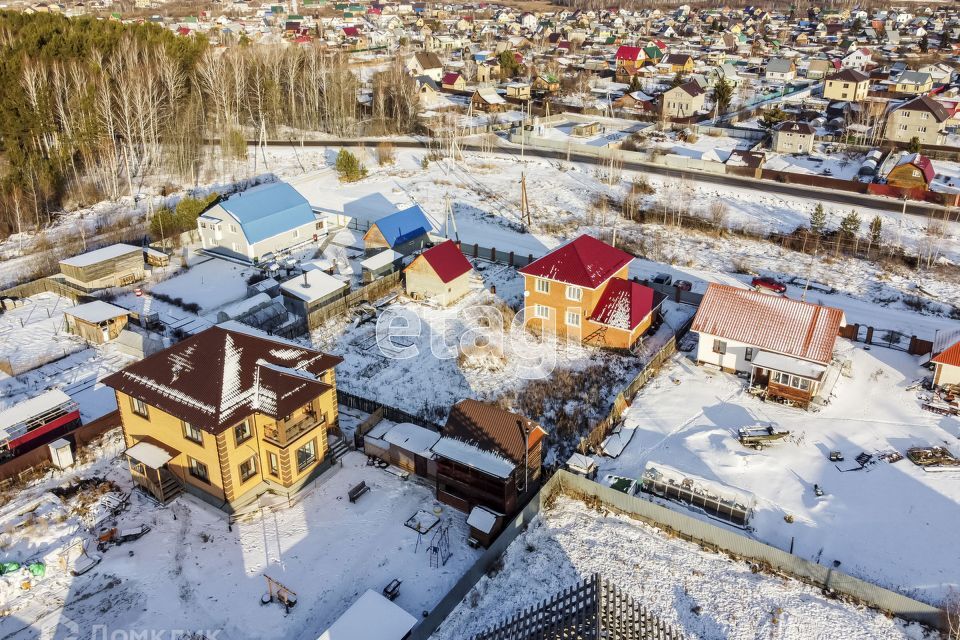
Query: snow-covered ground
[[820, 163], [191, 572], [702, 594], [34, 334], [880, 523]]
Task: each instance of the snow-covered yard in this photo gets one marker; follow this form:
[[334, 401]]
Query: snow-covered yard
[[843, 166], [191, 572], [704, 595], [34, 334], [880, 523]]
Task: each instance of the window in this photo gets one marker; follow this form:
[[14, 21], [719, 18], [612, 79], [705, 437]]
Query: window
[[248, 468], [192, 434], [139, 407], [235, 247], [903, 127], [748, 354], [916, 173], [273, 464], [242, 432], [543, 286], [574, 293], [719, 346], [846, 85], [197, 469], [319, 226], [924, 116], [233, 228], [540, 311], [573, 318], [306, 455], [296, 233], [203, 225]]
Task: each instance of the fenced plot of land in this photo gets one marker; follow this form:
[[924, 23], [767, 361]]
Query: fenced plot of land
[[324, 548], [33, 334]]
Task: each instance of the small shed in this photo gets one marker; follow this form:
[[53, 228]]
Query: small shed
[[310, 291], [155, 258], [484, 525], [441, 273], [405, 445], [585, 129], [371, 617], [381, 264], [97, 322], [404, 231], [582, 465], [115, 266]]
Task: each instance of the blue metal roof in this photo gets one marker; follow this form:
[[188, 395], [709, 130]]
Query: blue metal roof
[[268, 210], [404, 225]]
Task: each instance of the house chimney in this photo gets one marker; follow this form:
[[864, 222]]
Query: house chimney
[[306, 285]]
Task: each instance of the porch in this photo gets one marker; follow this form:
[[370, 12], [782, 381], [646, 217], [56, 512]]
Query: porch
[[786, 379], [148, 467]]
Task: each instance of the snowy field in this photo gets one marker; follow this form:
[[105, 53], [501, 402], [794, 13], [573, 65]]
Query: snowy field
[[191, 572], [35, 334], [704, 595], [820, 163], [880, 524]]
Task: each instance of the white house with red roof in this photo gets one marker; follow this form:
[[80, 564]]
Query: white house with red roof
[[946, 366], [441, 274], [785, 345], [582, 290]]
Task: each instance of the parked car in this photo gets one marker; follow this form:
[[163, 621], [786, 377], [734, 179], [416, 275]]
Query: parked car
[[770, 284], [662, 278], [683, 285]]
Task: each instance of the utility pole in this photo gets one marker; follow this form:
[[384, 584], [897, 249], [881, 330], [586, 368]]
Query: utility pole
[[524, 203]]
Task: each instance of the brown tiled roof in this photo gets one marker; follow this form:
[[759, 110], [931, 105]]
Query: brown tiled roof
[[928, 104], [219, 376], [773, 323], [849, 75], [491, 428]]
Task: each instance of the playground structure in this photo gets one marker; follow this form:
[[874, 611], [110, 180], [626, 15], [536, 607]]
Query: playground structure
[[279, 593]]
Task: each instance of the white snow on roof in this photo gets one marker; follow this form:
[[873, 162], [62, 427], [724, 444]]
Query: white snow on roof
[[482, 519], [412, 437], [581, 463], [149, 454], [473, 456], [382, 259], [371, 617], [30, 408], [99, 255], [96, 312], [318, 285], [780, 362]]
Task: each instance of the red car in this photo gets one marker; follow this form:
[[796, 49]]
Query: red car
[[770, 284]]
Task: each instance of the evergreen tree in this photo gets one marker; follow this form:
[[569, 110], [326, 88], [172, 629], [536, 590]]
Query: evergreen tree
[[850, 225], [876, 231], [924, 44], [914, 145], [348, 167], [635, 84], [818, 220], [722, 95], [678, 80]]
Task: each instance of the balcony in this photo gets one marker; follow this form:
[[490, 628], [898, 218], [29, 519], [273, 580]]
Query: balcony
[[282, 433]]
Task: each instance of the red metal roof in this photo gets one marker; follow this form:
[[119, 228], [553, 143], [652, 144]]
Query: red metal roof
[[447, 261], [950, 356], [449, 78], [774, 323], [584, 262], [629, 53], [624, 304]]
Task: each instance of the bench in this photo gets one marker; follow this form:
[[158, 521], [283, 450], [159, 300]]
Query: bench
[[357, 491], [392, 590]]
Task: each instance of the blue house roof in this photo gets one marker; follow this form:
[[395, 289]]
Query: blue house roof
[[268, 210], [403, 225]]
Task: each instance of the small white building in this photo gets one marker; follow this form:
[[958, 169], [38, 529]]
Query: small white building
[[310, 291], [371, 617], [269, 219]]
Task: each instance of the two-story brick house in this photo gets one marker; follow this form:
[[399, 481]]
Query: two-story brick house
[[581, 290], [227, 415]]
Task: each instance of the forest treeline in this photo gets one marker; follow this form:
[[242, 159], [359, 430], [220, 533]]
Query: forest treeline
[[90, 109]]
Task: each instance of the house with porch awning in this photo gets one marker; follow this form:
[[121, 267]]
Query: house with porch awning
[[784, 346]]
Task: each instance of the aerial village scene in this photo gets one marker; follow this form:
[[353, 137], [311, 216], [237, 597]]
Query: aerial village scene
[[515, 320]]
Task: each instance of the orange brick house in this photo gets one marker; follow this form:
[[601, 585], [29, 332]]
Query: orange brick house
[[582, 291]]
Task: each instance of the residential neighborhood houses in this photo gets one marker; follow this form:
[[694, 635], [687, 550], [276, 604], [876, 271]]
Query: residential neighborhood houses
[[483, 320]]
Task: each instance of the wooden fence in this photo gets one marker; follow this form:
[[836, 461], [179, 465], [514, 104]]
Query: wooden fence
[[393, 414], [369, 293], [592, 609], [622, 402], [887, 338], [46, 285]]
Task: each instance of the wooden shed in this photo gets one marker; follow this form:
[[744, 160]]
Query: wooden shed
[[585, 129], [97, 322], [314, 289], [485, 524], [115, 266], [404, 445]]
